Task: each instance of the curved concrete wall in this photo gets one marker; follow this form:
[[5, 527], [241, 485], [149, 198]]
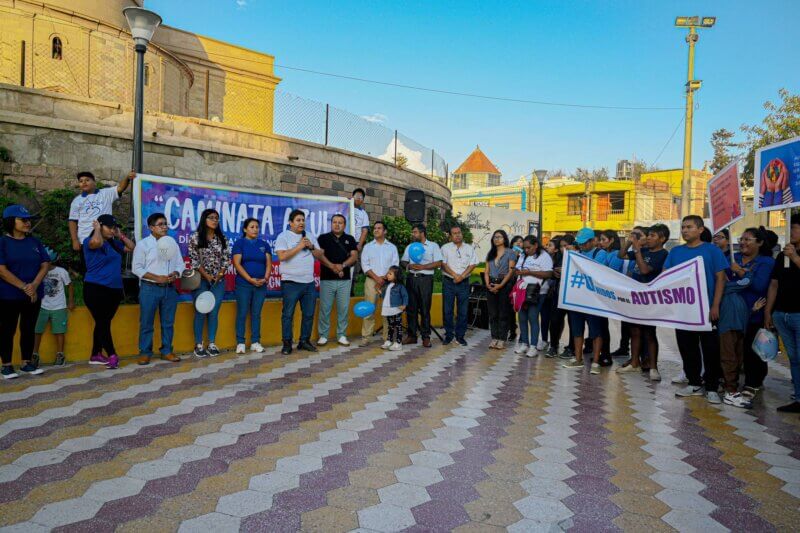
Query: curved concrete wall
[[53, 136]]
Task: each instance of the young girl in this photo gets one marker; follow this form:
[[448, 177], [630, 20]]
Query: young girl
[[395, 300]]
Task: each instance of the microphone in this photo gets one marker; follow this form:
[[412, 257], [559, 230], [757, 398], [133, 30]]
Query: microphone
[[303, 234]]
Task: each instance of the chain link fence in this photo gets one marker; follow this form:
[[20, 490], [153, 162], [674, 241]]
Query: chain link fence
[[313, 121]]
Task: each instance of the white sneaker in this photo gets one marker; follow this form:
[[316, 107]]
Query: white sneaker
[[386, 345], [628, 369], [737, 400], [532, 352], [241, 348], [256, 347], [521, 349], [654, 375], [343, 341], [396, 347], [713, 397], [542, 346], [595, 369], [322, 341]]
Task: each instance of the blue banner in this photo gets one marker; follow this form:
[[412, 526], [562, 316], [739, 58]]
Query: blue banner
[[777, 175], [182, 201]]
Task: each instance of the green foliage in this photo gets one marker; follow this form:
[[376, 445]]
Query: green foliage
[[721, 142], [400, 229], [5, 154]]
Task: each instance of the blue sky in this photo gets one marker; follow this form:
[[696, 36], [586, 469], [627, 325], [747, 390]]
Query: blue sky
[[618, 53]]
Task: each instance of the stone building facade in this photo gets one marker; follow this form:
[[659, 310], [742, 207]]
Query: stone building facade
[[66, 93]]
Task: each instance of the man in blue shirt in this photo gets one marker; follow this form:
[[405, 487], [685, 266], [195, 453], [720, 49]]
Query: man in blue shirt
[[690, 343], [587, 243]]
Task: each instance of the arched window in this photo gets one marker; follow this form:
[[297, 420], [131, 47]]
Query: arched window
[[146, 75], [56, 49]]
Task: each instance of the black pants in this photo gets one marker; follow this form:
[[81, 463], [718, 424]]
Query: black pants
[[395, 323], [499, 313], [545, 316], [24, 313], [755, 368], [625, 336], [418, 312], [103, 303], [700, 352]]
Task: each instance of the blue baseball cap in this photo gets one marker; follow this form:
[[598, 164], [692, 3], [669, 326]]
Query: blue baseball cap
[[584, 235], [17, 211]]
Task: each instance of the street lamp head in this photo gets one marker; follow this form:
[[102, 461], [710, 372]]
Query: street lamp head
[[708, 22], [687, 21], [540, 175], [142, 22]]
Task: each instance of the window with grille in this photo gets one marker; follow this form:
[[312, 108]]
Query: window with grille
[[616, 201], [575, 204]]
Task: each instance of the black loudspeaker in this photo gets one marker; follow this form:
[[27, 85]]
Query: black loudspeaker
[[478, 308], [414, 208]]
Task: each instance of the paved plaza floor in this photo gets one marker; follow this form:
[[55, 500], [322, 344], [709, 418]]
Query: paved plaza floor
[[446, 438]]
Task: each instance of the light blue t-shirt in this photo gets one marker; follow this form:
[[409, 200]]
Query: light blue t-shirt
[[613, 260], [713, 260], [597, 254]]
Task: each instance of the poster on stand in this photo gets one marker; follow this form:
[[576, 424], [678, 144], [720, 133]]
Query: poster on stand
[[725, 198], [777, 176]]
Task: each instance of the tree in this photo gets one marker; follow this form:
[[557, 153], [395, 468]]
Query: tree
[[721, 142], [599, 174], [639, 168], [402, 161], [782, 122]]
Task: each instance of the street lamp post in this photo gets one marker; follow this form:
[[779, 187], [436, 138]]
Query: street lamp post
[[143, 24], [691, 85], [540, 175]]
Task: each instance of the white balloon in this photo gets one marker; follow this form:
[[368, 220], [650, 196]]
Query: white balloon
[[205, 302], [166, 247]]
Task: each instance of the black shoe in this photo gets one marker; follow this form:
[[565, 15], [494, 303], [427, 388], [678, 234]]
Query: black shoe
[[568, 353], [199, 351], [606, 362], [462, 341], [552, 352], [60, 359], [793, 407], [287, 348], [35, 359], [447, 340], [307, 346], [512, 337], [620, 352]]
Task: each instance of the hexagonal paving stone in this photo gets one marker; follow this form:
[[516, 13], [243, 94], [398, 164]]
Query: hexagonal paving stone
[[686, 501], [244, 503], [298, 464], [418, 475], [385, 517], [693, 521], [328, 520], [431, 459], [67, 512], [114, 489], [543, 509], [547, 488], [274, 482], [210, 523], [154, 469], [443, 445], [550, 470], [404, 495]]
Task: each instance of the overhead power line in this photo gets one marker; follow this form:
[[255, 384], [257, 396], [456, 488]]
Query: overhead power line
[[440, 91], [669, 140]]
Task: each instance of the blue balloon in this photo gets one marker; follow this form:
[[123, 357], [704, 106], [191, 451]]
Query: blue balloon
[[363, 309], [416, 251]]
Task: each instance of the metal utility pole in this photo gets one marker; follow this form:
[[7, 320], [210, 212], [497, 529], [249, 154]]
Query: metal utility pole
[[691, 86]]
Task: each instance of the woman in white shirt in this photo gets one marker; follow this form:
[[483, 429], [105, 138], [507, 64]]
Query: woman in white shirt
[[534, 267]]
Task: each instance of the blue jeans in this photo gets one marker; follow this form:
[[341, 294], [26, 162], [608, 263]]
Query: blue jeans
[[330, 290], [218, 290], [306, 295], [788, 325], [165, 301], [455, 297], [249, 298], [529, 323]]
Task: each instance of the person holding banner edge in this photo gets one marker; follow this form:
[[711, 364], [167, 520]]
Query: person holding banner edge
[[587, 244], [700, 349]]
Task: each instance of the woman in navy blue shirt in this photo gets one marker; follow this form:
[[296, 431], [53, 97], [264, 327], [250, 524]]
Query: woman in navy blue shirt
[[756, 263], [102, 285], [23, 265], [252, 259]]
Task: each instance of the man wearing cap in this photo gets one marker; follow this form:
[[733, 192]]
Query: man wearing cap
[[587, 243], [91, 203], [24, 262], [157, 268]]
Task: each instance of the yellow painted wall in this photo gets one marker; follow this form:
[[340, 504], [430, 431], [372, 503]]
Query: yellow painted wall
[[125, 329], [556, 199]]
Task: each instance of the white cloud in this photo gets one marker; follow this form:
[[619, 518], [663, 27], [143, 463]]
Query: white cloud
[[415, 159], [241, 4], [376, 118]]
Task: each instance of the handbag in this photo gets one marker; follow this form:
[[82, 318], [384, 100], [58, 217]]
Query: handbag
[[532, 294], [518, 295]]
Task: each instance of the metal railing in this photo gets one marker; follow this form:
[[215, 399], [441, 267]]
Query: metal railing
[[313, 121]]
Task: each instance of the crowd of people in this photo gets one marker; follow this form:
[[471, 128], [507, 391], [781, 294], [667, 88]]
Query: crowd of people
[[747, 290]]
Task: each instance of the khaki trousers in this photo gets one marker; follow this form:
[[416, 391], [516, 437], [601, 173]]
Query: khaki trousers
[[368, 324]]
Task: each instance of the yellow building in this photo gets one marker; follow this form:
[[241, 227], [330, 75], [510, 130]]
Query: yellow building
[[476, 182]]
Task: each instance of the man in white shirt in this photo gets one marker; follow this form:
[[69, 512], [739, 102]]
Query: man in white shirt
[[361, 222], [376, 258], [420, 286], [90, 204], [297, 252], [458, 261], [157, 270]]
